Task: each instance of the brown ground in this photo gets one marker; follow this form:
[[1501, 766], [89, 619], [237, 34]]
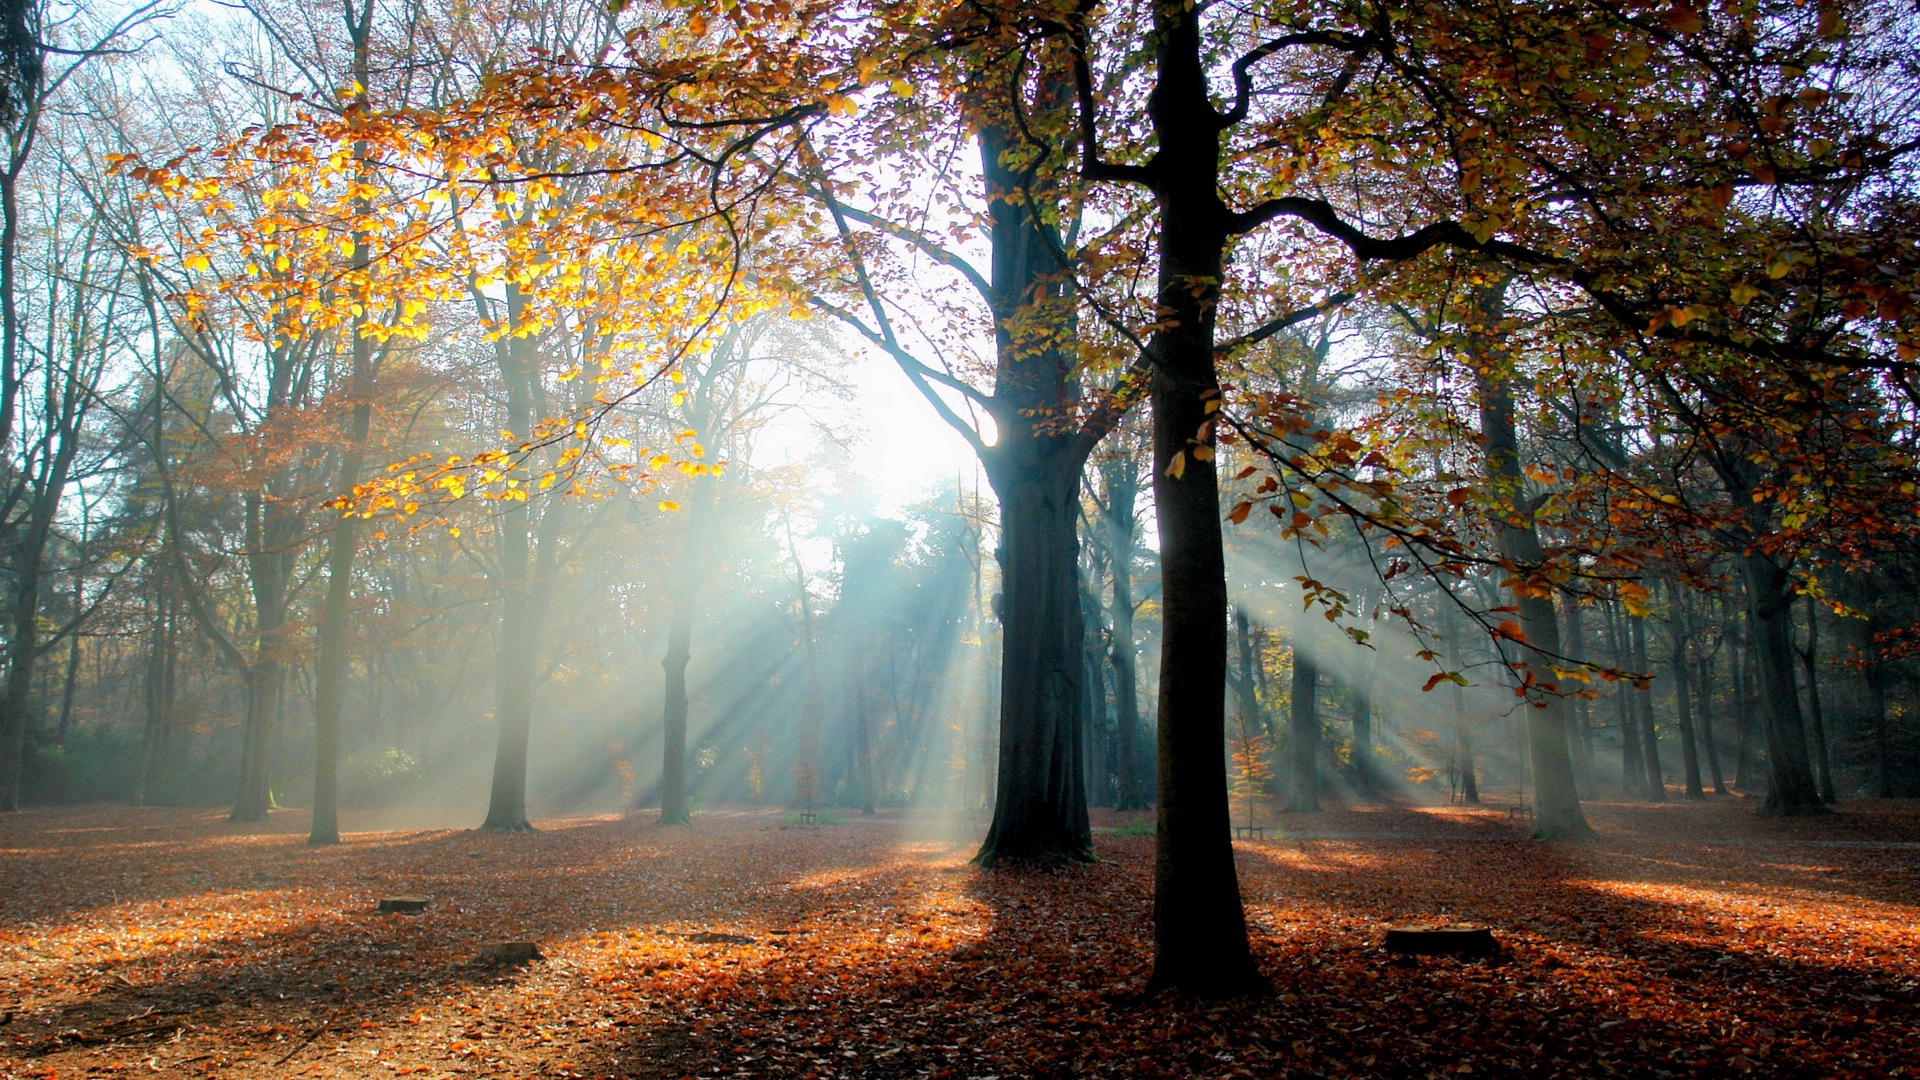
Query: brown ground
[[1690, 940]]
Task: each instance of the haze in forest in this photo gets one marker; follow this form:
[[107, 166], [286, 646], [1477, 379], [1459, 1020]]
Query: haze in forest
[[460, 415]]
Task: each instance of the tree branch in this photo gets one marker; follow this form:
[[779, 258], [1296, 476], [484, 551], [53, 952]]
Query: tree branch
[[1243, 67]]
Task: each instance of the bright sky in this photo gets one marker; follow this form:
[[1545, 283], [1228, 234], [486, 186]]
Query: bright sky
[[903, 448]]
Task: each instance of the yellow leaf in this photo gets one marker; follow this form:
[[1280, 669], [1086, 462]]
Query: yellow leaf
[[902, 88], [669, 505], [1634, 596], [1742, 294], [1177, 468]]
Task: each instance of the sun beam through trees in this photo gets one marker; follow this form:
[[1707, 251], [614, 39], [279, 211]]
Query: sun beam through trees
[[1335, 418]]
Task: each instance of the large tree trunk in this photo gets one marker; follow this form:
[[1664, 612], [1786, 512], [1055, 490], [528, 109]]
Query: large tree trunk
[[1246, 684], [1199, 926], [1557, 813], [1770, 603], [1303, 730], [343, 540], [23, 648], [675, 806], [1040, 808], [330, 669], [1040, 803], [44, 493]]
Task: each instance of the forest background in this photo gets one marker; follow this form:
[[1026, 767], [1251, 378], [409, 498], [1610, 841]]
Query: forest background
[[1389, 398]]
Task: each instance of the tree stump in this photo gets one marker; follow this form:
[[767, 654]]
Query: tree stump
[[405, 905], [508, 953], [1454, 940]]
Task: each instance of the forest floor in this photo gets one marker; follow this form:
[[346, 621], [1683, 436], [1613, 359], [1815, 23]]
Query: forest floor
[[1687, 940]]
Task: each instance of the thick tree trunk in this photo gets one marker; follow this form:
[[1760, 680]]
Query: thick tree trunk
[[23, 646], [1303, 730], [1469, 768], [1040, 802], [1199, 926], [1770, 603], [330, 668], [343, 539], [1246, 684], [23, 649], [1040, 809], [675, 805], [1557, 814]]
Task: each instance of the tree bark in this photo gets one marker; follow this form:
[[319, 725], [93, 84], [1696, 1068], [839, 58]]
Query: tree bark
[[1040, 805], [1246, 684], [343, 540], [676, 807], [1557, 814], [1040, 800], [1770, 603], [1199, 925]]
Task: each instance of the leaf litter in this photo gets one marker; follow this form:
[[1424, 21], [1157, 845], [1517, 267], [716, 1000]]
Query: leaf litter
[[1691, 940]]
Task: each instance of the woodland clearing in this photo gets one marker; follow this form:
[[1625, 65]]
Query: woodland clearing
[[1690, 939]]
